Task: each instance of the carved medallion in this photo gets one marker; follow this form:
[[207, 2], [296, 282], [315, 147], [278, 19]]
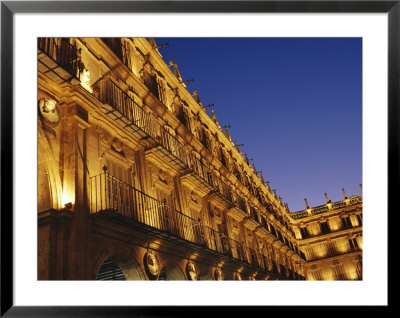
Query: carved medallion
[[191, 270], [151, 264], [49, 111]]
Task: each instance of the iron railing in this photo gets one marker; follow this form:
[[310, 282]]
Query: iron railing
[[110, 195], [111, 94], [198, 167], [63, 53], [223, 188], [170, 143]]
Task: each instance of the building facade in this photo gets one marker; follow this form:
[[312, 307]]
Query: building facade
[[329, 237], [136, 181]]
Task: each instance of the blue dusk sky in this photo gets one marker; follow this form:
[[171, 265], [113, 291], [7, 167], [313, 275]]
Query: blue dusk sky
[[295, 104]]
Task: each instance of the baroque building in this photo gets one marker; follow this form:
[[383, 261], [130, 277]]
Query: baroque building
[[137, 182], [329, 237]]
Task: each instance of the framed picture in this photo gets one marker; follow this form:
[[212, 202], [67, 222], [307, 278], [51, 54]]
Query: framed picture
[[48, 50]]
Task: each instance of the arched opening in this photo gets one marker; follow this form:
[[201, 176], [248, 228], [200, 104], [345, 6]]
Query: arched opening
[[171, 272], [109, 270]]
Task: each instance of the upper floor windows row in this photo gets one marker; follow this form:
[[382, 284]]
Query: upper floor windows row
[[325, 228]]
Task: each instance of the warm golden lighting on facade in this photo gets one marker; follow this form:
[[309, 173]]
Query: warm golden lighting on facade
[[68, 197], [153, 186]]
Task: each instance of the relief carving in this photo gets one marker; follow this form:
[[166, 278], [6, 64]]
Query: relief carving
[[151, 264], [191, 270]]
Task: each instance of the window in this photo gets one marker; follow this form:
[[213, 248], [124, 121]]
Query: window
[[353, 244], [325, 228], [304, 232], [205, 140], [359, 219], [273, 230], [151, 82], [346, 222]]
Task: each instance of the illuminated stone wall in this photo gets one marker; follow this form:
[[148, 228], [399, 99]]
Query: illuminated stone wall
[[131, 163]]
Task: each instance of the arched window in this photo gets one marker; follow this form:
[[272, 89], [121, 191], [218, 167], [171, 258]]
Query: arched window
[[109, 270]]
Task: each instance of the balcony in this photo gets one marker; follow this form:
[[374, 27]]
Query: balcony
[[120, 107], [223, 192], [117, 201], [168, 150], [198, 176], [59, 60], [239, 210], [254, 258]]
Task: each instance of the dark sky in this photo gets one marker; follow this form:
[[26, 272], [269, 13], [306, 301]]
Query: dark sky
[[295, 104]]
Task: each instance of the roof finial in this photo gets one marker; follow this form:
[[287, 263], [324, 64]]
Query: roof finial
[[287, 207], [307, 206], [361, 188], [176, 71], [262, 177], [327, 199], [214, 118], [237, 145], [226, 132], [344, 193], [246, 159]]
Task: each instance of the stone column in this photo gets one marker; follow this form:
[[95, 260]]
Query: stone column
[[75, 192]]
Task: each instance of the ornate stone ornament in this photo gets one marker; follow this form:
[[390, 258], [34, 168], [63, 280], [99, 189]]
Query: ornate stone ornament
[[191, 270], [218, 275], [118, 146], [49, 111], [85, 80], [151, 264]]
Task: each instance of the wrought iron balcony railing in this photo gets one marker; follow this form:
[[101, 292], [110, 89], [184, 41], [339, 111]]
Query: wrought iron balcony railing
[[132, 117], [223, 188], [111, 196], [170, 143], [198, 167], [63, 53], [125, 109]]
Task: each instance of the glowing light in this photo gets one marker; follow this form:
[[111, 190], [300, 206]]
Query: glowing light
[[85, 80], [320, 251], [334, 225], [67, 197], [353, 274]]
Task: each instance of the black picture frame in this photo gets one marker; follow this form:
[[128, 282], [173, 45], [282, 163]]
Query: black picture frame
[[9, 8]]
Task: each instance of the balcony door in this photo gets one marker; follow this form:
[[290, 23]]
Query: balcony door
[[168, 218], [119, 185]]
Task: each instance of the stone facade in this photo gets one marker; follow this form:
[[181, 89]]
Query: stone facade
[[136, 181]]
